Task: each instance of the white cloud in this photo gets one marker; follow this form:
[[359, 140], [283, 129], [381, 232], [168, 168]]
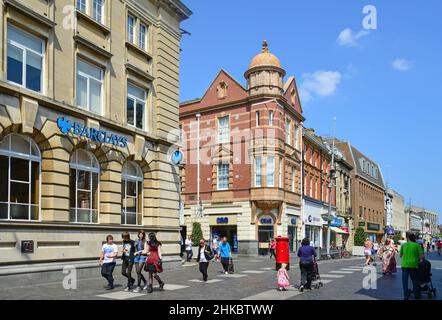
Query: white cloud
[[348, 38], [402, 64], [319, 83]]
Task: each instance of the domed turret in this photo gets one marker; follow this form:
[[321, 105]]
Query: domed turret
[[265, 74]]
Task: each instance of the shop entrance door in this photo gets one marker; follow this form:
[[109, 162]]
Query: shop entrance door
[[226, 231], [293, 239], [265, 234]]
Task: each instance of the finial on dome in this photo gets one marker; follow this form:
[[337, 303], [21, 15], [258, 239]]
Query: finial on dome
[[265, 47]]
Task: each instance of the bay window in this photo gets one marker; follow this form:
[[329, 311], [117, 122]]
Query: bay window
[[258, 177], [270, 171], [19, 178], [25, 59]]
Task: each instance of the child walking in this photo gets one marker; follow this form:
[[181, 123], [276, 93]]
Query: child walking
[[283, 278]]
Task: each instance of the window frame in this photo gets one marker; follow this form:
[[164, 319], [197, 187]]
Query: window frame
[[136, 100], [218, 176], [25, 51], [267, 171], [30, 158], [143, 37], [288, 131], [88, 79], [224, 132], [131, 17], [92, 170], [78, 8], [94, 10], [271, 115], [258, 169], [125, 178]]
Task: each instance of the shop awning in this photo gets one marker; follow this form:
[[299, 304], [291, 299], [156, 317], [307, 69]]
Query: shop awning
[[338, 230]]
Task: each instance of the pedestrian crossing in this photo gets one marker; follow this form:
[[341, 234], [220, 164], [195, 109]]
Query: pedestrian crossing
[[272, 294]]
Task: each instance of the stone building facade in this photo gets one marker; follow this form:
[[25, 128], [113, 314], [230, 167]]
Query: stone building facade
[[429, 220], [399, 218], [248, 159], [368, 192], [88, 101]]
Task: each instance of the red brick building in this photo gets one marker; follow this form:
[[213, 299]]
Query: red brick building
[[249, 156]]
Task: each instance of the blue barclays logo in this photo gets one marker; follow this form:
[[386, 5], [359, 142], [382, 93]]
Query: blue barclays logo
[[66, 126]]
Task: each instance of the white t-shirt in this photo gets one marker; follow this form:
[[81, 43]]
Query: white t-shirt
[[202, 256], [188, 245], [107, 250]]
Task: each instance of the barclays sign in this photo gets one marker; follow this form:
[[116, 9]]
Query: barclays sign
[[66, 126]]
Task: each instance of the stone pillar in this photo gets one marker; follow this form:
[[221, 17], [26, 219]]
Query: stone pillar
[[110, 193]]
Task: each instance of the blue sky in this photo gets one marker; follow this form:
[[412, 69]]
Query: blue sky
[[383, 86]]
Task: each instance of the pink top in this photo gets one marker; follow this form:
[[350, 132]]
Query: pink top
[[273, 245], [283, 278]]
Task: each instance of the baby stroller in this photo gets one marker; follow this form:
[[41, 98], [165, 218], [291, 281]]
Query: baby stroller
[[424, 279], [316, 278]]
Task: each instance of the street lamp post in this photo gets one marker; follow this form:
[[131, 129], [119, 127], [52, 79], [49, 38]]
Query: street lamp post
[[332, 171]]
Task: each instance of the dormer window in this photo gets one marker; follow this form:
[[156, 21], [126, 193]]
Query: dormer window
[[222, 90]]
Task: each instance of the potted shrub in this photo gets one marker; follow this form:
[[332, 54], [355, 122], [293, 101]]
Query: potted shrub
[[359, 239], [197, 235]]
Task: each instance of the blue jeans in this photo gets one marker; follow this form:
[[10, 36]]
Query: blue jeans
[[412, 273], [106, 271]]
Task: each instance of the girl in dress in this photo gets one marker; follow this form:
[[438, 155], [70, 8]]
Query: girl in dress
[[283, 278], [154, 263]]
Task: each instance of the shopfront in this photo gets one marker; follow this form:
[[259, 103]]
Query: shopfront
[[225, 226], [313, 223], [374, 232]]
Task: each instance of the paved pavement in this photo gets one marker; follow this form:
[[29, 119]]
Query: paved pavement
[[254, 279]]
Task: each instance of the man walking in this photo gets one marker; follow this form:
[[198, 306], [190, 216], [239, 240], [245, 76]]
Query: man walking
[[107, 261], [225, 254], [410, 253]]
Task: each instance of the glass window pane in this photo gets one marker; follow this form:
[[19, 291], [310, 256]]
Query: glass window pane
[[83, 215], [3, 211], [83, 199], [95, 91], [89, 69], [130, 111], [19, 212], [136, 92], [140, 115], [34, 212], [94, 190], [19, 192], [20, 169], [94, 216], [35, 182], [15, 64], [81, 5], [81, 91], [131, 205], [19, 144], [131, 188], [131, 219], [72, 183], [25, 39], [4, 165], [84, 182], [34, 65], [83, 158]]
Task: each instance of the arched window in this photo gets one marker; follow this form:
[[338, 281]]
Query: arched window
[[131, 194], [19, 178], [84, 181]]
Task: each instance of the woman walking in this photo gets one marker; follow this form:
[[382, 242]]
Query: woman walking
[[128, 259], [306, 254], [367, 251], [388, 252], [154, 264], [272, 248], [139, 260], [204, 256]]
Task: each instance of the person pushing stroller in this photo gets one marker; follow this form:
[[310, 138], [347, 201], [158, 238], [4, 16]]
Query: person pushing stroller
[[306, 254]]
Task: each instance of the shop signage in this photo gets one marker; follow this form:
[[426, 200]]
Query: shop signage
[[266, 220], [362, 224], [373, 226], [293, 220], [66, 126], [311, 219], [336, 222], [222, 220], [177, 157]]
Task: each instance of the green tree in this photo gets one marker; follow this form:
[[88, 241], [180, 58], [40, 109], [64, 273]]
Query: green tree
[[360, 236], [197, 233]]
